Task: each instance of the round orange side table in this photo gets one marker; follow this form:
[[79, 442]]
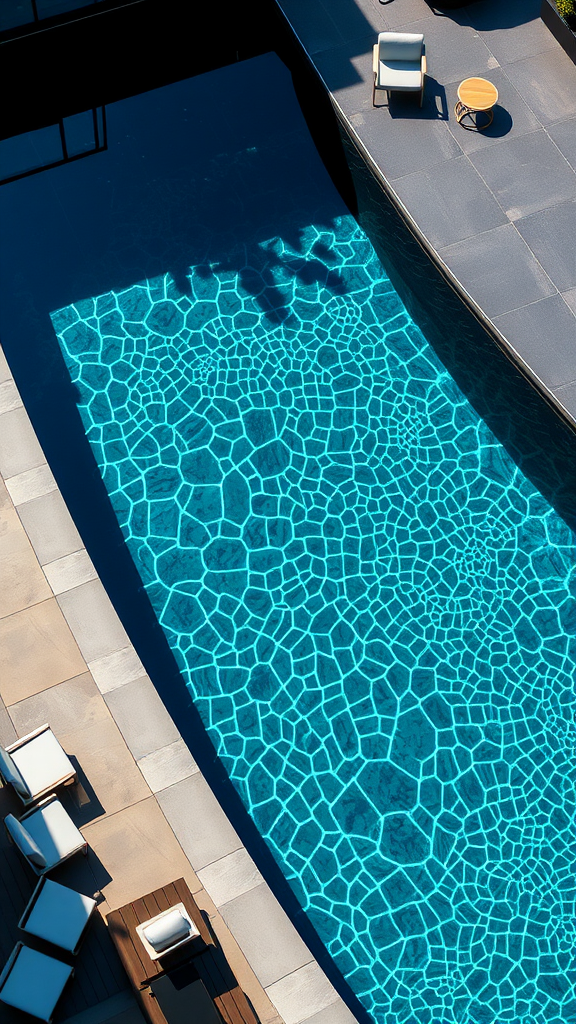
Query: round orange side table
[[475, 95]]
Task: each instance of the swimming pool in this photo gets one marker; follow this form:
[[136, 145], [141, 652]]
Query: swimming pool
[[369, 602]]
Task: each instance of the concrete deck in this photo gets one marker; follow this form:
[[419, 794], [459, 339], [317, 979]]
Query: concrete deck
[[142, 803], [498, 208]]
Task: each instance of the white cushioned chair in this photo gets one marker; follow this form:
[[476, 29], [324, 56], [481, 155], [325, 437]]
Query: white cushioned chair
[[167, 931], [57, 914], [33, 982], [45, 835], [399, 64], [36, 765]]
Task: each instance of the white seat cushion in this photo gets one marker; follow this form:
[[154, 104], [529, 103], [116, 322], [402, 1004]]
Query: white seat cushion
[[59, 915], [35, 983], [53, 830], [399, 74], [10, 774], [168, 930], [42, 763], [24, 841]]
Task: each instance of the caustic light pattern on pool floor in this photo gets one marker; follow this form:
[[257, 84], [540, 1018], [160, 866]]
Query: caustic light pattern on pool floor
[[370, 605]]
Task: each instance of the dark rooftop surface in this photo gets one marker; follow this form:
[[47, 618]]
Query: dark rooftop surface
[[498, 206]]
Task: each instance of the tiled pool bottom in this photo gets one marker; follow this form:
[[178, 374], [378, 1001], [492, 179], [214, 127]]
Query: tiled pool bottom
[[370, 605]]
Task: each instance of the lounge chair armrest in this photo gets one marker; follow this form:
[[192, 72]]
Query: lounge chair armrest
[[423, 66], [375, 58], [26, 739]]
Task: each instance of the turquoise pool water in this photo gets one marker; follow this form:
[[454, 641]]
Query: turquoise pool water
[[369, 602]]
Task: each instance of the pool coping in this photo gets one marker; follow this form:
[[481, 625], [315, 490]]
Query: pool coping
[[290, 976], [552, 395]]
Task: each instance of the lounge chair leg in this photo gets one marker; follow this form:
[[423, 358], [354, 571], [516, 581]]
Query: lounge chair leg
[[374, 92]]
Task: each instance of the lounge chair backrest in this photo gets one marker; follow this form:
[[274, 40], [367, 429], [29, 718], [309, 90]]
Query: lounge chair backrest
[[406, 46], [10, 774], [24, 841]]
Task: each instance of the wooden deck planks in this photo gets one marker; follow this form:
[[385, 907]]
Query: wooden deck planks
[[208, 960]]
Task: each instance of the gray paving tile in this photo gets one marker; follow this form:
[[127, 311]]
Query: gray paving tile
[[526, 174], [32, 483], [551, 235], [570, 299], [93, 621], [5, 499], [141, 717], [547, 81], [23, 582], [338, 1013], [405, 14], [347, 72], [512, 116], [498, 270], [37, 650], [200, 825], [5, 373], [229, 877], [567, 398], [19, 447], [115, 669], [513, 41], [50, 527], [168, 765], [7, 731], [554, 362], [109, 777], [357, 20], [70, 571], [266, 936], [449, 201], [302, 994], [139, 852], [313, 25], [453, 52], [403, 139], [9, 396], [564, 135]]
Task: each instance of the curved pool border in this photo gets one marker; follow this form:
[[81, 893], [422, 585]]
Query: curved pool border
[[526, 405]]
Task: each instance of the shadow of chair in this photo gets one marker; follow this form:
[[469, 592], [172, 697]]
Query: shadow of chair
[[434, 107]]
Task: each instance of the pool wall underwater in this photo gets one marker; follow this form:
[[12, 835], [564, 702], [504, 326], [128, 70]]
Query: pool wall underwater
[[368, 601]]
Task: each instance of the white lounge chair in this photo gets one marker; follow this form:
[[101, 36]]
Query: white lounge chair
[[57, 914], [36, 765], [167, 931], [33, 982], [45, 835], [399, 64]]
